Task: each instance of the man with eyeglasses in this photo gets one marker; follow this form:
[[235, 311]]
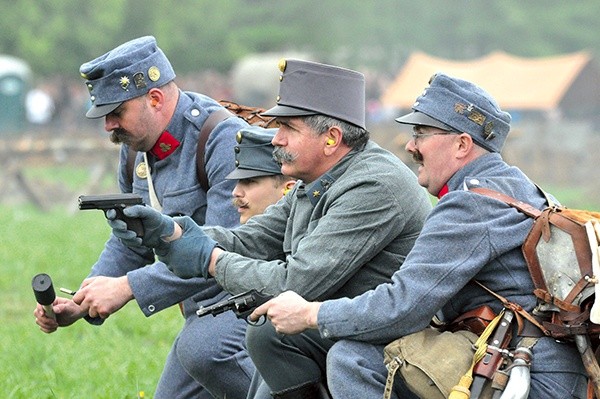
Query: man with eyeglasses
[[459, 131]]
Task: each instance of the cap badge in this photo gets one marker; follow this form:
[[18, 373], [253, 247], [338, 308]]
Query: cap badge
[[139, 80], [470, 112], [488, 132], [282, 64], [460, 108], [165, 147], [141, 170], [153, 73], [124, 82], [476, 117]]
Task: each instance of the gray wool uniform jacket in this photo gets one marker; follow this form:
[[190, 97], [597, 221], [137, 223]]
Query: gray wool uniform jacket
[[466, 236], [338, 236], [176, 185]]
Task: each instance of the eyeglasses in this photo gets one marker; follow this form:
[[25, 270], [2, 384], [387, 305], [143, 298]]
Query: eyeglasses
[[418, 135]]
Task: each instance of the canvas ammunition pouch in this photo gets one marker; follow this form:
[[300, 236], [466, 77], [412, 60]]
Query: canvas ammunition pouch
[[417, 358]]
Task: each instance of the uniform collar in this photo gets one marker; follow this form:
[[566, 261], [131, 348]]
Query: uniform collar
[[164, 146], [478, 167], [443, 191], [317, 189], [171, 138]]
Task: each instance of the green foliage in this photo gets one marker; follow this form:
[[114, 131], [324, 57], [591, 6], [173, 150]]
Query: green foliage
[[57, 36], [115, 360]]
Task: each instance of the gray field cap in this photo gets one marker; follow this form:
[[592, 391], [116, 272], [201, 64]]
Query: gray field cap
[[254, 154], [310, 88], [128, 71], [460, 106]]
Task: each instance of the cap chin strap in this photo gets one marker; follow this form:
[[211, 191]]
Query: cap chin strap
[[152, 194]]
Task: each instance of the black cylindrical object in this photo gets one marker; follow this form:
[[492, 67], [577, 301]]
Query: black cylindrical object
[[44, 292]]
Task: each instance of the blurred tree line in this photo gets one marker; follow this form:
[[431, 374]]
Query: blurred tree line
[[56, 36]]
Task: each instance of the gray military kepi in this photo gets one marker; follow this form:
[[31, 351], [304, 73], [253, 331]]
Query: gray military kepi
[[128, 71], [254, 154], [460, 106], [309, 88]]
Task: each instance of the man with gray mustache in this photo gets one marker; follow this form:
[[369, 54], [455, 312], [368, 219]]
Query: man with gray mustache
[[345, 227]]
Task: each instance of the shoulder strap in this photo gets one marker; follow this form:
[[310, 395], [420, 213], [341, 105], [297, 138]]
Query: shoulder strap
[[207, 127], [523, 207]]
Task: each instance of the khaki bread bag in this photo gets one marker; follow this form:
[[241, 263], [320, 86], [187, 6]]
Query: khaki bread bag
[[429, 361]]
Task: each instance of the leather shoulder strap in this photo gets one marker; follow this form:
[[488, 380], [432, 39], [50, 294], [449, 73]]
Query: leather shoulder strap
[[523, 207], [209, 124]]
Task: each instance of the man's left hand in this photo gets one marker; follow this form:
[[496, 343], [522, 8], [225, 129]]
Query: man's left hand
[[189, 255]]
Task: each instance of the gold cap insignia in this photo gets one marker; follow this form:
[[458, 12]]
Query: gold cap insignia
[[460, 108], [124, 82], [477, 117], [153, 73]]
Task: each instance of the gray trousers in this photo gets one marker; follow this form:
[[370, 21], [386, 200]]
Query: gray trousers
[[207, 360], [286, 361]]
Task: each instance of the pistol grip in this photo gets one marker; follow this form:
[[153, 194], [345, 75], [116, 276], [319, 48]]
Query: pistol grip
[[133, 224]]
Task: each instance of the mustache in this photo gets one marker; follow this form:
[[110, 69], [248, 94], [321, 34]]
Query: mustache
[[417, 156], [119, 136], [280, 155], [238, 202]]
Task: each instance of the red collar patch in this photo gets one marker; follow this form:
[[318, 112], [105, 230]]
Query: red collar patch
[[165, 146], [443, 191]]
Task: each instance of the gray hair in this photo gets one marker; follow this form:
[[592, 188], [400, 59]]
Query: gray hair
[[353, 136]]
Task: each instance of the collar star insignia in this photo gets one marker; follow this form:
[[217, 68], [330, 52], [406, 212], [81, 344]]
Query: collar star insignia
[[316, 193], [164, 147]]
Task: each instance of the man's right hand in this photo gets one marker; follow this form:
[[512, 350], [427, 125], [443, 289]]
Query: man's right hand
[[102, 296], [67, 312]]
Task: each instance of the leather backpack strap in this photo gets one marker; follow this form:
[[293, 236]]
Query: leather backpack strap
[[209, 124], [524, 207]]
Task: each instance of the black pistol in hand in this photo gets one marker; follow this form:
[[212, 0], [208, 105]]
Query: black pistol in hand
[[118, 202], [242, 305]]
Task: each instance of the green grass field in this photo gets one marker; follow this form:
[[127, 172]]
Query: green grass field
[[117, 360]]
